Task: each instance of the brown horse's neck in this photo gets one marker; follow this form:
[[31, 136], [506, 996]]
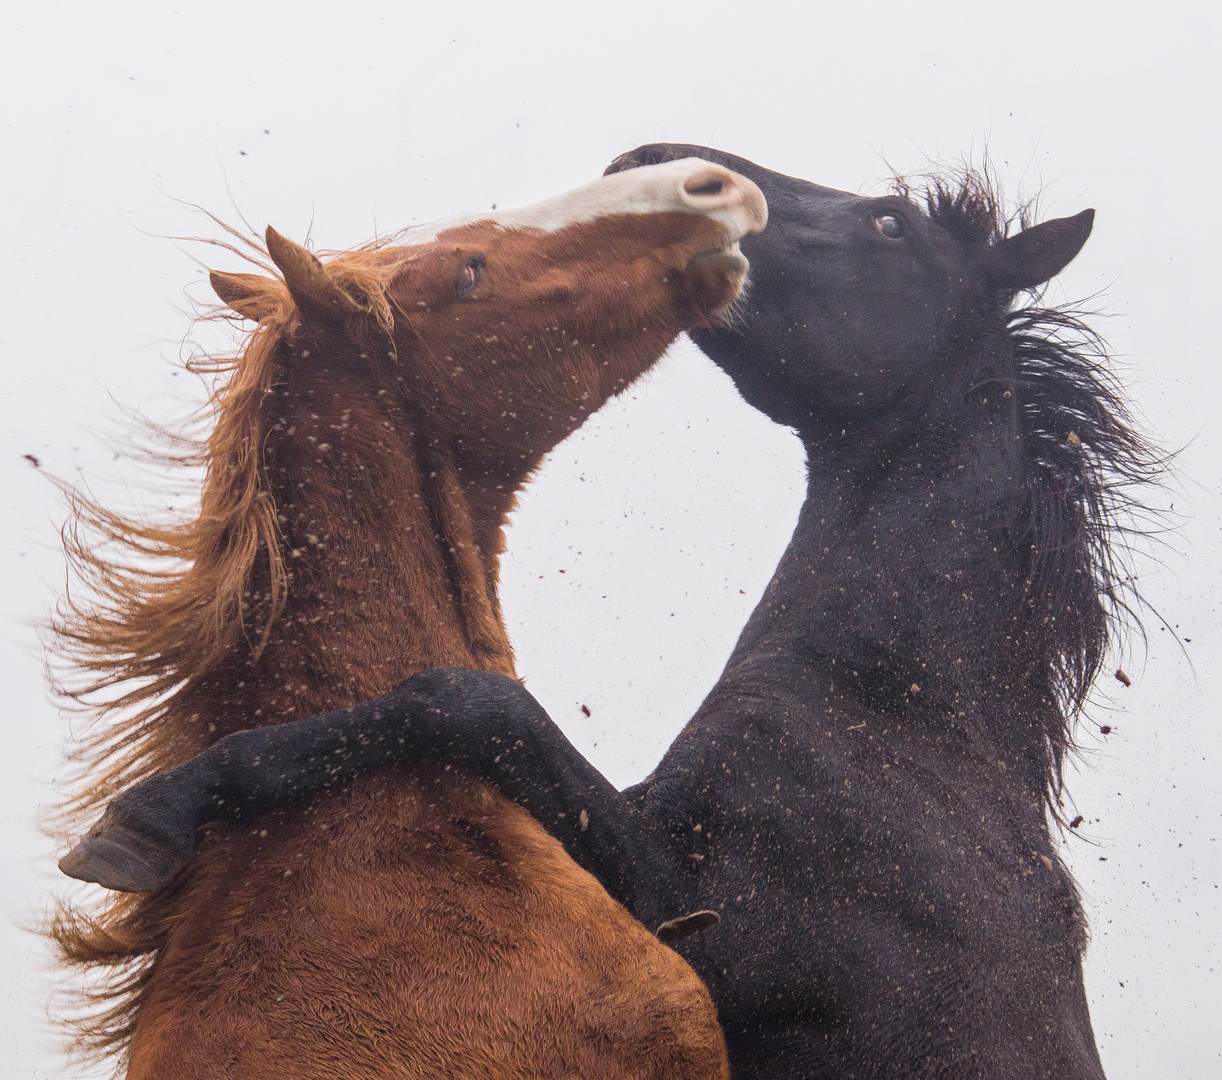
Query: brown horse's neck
[[391, 556]]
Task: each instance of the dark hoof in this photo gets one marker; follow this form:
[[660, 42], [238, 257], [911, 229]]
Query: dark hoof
[[116, 856], [677, 929]]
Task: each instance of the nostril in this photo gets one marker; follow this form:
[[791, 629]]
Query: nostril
[[704, 185]]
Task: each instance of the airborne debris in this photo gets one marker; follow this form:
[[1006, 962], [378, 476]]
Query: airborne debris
[[1122, 677], [1076, 821], [33, 460], [1105, 729], [586, 709]]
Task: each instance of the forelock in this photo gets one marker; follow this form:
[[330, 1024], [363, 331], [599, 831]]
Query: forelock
[[966, 202]]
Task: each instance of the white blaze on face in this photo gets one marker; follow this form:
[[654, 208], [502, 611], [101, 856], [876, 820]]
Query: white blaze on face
[[688, 186]]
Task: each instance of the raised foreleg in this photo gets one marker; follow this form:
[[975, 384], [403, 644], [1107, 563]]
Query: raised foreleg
[[482, 722]]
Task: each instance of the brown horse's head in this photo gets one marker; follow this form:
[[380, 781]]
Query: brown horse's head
[[367, 444], [506, 331]]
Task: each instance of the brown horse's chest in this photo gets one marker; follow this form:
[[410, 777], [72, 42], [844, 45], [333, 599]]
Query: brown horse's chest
[[413, 925], [345, 864]]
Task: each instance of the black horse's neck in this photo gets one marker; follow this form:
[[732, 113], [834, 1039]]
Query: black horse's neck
[[906, 583]]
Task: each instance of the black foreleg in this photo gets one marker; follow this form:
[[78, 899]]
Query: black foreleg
[[484, 723]]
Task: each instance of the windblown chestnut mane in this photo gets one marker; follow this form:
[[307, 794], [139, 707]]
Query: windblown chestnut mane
[[163, 605]]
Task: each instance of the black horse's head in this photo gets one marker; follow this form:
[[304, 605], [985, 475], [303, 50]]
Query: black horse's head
[[885, 331], [857, 305]]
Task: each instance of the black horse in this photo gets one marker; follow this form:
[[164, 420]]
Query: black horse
[[865, 796]]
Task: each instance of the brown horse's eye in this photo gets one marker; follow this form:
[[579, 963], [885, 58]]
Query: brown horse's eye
[[889, 225], [470, 274]]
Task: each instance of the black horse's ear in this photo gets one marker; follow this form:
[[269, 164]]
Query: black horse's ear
[[1039, 253]]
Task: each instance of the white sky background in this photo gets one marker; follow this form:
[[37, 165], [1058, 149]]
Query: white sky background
[[668, 511]]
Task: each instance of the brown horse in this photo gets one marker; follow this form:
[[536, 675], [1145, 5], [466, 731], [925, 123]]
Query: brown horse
[[366, 452]]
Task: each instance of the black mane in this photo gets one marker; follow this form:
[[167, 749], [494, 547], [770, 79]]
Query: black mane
[[1085, 507], [965, 202], [1089, 462]]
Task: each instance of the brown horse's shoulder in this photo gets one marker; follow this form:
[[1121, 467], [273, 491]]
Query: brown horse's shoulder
[[427, 909]]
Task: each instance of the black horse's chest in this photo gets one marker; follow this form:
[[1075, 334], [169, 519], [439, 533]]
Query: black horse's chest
[[850, 877]]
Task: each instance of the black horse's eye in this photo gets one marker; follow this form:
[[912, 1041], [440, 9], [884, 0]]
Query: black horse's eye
[[889, 225], [469, 275]]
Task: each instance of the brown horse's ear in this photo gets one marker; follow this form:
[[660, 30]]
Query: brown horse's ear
[[1039, 253], [319, 299], [250, 295]]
